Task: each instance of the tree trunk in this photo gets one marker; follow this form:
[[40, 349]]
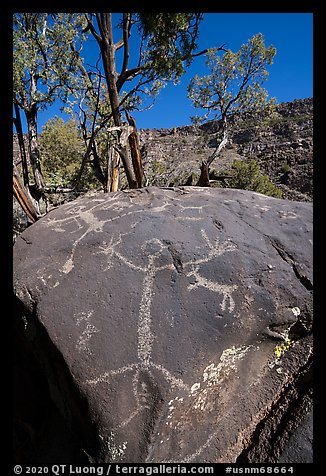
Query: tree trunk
[[21, 142], [96, 165], [203, 180], [135, 152], [115, 171], [108, 57], [23, 197], [222, 144], [112, 170], [34, 153]]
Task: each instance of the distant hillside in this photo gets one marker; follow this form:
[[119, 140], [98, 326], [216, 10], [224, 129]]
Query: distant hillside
[[283, 147]]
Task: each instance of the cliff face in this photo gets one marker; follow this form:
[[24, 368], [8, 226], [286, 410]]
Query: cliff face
[[283, 147]]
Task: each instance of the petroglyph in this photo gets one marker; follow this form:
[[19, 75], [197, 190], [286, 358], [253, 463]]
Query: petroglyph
[[287, 214], [202, 393], [154, 249], [77, 214], [90, 329], [82, 216], [223, 289], [152, 258]]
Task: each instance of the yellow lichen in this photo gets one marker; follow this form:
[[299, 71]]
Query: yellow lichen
[[283, 347]]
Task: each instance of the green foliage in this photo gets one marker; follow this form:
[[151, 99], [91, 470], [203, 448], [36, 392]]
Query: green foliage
[[62, 150], [157, 167], [234, 84], [167, 42], [43, 62], [285, 168], [170, 38], [247, 176]]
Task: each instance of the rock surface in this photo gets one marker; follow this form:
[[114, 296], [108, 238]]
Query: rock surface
[[299, 446], [170, 325]]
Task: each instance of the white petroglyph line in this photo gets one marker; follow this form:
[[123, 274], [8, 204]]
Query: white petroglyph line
[[116, 205], [52, 222], [288, 214], [212, 375], [130, 264], [204, 235], [190, 218], [153, 248], [93, 225], [140, 405], [191, 457], [83, 316], [200, 208], [135, 385], [82, 342], [107, 376], [145, 336], [224, 289], [215, 250], [160, 208], [131, 417], [69, 264], [175, 382]]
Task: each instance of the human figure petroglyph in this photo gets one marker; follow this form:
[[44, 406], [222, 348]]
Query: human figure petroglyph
[[153, 257], [157, 253]]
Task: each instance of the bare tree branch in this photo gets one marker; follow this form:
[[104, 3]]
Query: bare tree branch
[[220, 48], [92, 29], [126, 52]]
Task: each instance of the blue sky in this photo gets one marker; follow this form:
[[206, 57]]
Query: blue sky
[[290, 76]]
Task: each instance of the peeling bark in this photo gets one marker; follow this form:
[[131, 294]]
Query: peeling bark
[[135, 152]]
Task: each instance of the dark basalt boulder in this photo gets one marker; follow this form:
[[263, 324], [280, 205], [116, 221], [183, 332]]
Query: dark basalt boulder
[[169, 325]]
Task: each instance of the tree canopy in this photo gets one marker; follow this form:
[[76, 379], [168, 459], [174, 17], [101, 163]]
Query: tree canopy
[[166, 43], [43, 61], [137, 56], [234, 84], [44, 66], [48, 65]]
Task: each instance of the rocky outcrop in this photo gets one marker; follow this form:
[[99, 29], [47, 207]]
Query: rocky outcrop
[[283, 146], [165, 325]]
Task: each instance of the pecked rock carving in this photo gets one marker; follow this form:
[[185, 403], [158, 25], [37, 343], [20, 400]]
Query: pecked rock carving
[[171, 311]]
